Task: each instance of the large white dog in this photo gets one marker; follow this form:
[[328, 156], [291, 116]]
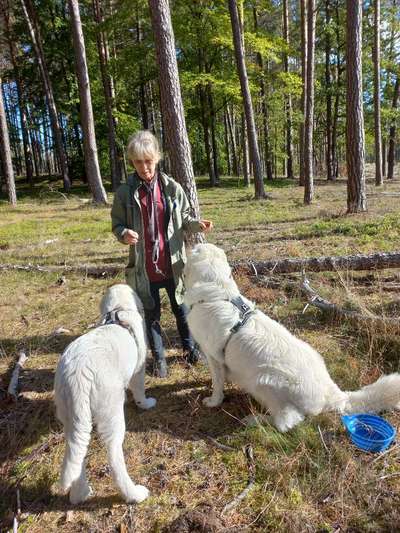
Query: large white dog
[[90, 384], [283, 373]]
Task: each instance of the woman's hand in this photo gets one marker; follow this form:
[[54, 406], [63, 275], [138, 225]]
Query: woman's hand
[[206, 225], [130, 237]]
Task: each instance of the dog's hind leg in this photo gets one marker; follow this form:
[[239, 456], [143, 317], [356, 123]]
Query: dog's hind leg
[[73, 474], [112, 431], [217, 371], [287, 418], [136, 385]]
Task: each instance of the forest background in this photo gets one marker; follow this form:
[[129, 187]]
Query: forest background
[[331, 185]]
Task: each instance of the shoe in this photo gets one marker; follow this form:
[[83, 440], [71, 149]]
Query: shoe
[[160, 368], [191, 356]]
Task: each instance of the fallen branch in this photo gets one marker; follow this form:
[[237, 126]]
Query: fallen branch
[[336, 311], [87, 270], [13, 386], [248, 451], [376, 261]]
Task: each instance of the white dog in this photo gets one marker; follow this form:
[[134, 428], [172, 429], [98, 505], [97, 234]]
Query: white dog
[[90, 384], [283, 373]]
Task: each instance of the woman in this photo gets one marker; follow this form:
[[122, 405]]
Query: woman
[[150, 213]]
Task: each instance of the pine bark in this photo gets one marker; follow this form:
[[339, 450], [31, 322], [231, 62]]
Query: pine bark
[[87, 121], [288, 104], [309, 116], [355, 150], [377, 96], [392, 131], [328, 88], [108, 88], [303, 38], [247, 102], [34, 31], [5, 151], [177, 141]]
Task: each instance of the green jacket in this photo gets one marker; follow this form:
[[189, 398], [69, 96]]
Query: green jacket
[[126, 213]]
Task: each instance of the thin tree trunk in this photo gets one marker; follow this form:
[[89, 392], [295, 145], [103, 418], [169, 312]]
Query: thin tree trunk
[[309, 119], [102, 47], [87, 122], [248, 106], [171, 102], [392, 131], [303, 28], [227, 148], [245, 150], [233, 142], [264, 108], [377, 96], [288, 105], [34, 31], [328, 87], [5, 151], [206, 135], [213, 133], [355, 151]]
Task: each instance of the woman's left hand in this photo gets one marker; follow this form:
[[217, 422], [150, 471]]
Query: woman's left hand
[[206, 225]]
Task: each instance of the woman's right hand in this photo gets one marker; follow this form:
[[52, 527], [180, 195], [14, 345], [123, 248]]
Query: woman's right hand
[[130, 237]]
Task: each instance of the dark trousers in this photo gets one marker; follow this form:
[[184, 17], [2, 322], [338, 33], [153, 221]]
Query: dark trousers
[[152, 318]]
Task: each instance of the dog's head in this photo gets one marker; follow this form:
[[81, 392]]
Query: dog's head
[[206, 263], [120, 296]]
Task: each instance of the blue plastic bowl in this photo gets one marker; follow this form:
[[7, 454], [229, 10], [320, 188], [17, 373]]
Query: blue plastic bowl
[[370, 433]]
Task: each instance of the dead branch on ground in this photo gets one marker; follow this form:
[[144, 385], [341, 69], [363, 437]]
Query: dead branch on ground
[[334, 310], [248, 451], [376, 261], [13, 386]]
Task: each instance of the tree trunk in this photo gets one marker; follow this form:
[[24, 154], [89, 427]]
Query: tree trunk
[[245, 151], [5, 152], [392, 131], [227, 148], [171, 102], [355, 151], [309, 118], [230, 119], [248, 106], [213, 134], [328, 88], [87, 122], [288, 104], [322, 264], [34, 31], [102, 47], [206, 134], [264, 108], [377, 95], [303, 29]]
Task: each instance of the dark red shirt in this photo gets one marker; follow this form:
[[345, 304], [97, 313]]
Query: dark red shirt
[[164, 259]]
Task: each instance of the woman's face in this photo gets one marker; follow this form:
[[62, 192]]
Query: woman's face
[[146, 168]]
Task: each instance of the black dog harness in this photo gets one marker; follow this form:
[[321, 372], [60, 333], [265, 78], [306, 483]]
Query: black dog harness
[[245, 312], [112, 318]]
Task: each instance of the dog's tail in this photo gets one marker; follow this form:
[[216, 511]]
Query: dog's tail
[[382, 395], [72, 399]]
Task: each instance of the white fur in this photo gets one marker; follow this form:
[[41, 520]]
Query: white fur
[[90, 382], [283, 373]]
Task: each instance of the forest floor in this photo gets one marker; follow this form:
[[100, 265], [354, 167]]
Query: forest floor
[[310, 479]]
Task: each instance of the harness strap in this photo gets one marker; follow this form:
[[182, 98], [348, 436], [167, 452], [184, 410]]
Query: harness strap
[[112, 317], [245, 312]]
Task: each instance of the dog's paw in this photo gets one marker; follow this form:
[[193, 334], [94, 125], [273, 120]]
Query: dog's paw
[[211, 401], [147, 403], [137, 494], [80, 494]]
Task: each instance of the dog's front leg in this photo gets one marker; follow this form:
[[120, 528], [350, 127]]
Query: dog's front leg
[[217, 371], [136, 385]]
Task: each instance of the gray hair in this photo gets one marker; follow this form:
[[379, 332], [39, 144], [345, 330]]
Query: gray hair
[[143, 145]]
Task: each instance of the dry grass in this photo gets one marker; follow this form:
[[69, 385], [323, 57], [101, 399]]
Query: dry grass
[[311, 479]]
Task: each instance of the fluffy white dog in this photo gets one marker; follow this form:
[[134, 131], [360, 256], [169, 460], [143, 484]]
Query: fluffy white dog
[[283, 373], [90, 384]]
